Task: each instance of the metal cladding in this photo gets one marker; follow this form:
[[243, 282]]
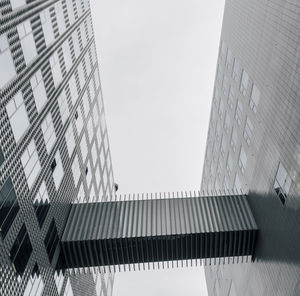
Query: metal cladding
[[157, 230]]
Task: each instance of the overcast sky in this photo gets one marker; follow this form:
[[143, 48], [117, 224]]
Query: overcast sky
[[157, 65]]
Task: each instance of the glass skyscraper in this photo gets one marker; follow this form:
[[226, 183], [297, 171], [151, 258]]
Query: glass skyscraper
[[54, 148], [253, 141]]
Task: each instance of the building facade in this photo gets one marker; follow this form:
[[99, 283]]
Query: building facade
[[54, 148], [253, 142]]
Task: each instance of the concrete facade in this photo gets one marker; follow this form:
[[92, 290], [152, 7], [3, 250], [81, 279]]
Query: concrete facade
[[253, 141]]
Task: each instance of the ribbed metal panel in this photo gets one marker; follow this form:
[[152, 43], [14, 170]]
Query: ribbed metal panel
[[159, 229]]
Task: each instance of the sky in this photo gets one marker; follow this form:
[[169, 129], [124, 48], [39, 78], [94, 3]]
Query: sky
[[157, 66]]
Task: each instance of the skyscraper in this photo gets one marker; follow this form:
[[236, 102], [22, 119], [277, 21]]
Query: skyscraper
[[54, 148], [253, 141]]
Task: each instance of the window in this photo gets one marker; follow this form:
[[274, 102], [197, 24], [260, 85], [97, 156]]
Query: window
[[76, 170], [231, 97], [67, 55], [97, 175], [59, 280], [92, 90], [51, 240], [221, 108], [41, 204], [17, 114], [225, 85], [63, 107], [58, 171], [83, 148], [73, 89], [70, 140], [76, 44], [60, 17], [9, 206], [238, 113], [242, 160], [95, 115], [80, 73], [78, 120], [87, 64], [248, 131], [47, 26], [233, 139], [244, 83], [81, 195], [223, 146], [16, 4], [31, 163], [39, 91], [1, 157], [255, 97], [237, 184], [90, 129], [55, 67], [229, 164], [226, 123], [282, 183], [21, 250], [48, 132], [35, 285], [219, 168], [88, 174], [229, 60], [236, 70], [86, 104], [6, 62], [218, 131], [83, 35], [70, 11], [68, 289], [27, 41], [97, 79]]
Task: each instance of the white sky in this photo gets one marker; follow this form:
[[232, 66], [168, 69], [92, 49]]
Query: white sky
[[157, 65]]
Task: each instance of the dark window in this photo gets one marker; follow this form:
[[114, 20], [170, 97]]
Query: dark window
[[51, 240], [21, 250], [9, 206], [41, 211], [53, 164], [76, 114], [1, 157], [86, 170]]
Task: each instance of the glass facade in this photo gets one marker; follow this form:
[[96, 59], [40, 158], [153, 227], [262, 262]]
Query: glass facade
[[52, 134]]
